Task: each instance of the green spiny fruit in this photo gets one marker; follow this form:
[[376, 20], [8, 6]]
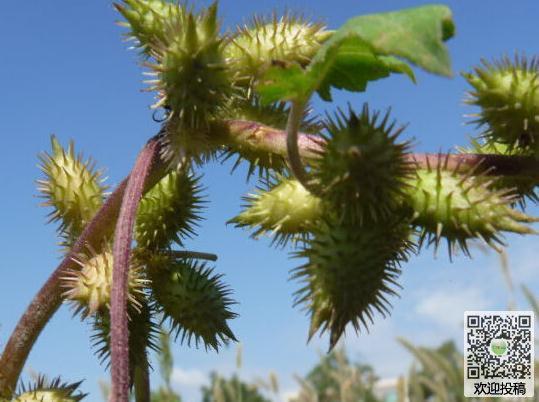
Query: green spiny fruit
[[350, 270], [287, 39], [282, 207], [524, 188], [143, 333], [246, 146], [459, 207], [90, 287], [49, 391], [72, 187], [193, 299], [362, 170], [192, 82], [168, 212], [146, 20], [508, 95]]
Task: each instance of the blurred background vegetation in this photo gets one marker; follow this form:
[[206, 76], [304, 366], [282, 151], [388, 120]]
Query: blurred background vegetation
[[436, 374]]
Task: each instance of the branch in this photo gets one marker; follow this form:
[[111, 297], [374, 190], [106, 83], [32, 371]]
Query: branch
[[242, 134], [49, 297], [121, 250]]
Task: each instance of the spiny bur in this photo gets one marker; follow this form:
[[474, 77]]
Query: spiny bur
[[189, 70], [459, 207], [283, 208], [362, 169], [193, 299], [169, 211], [508, 94], [44, 390], [89, 288], [192, 82], [72, 187], [287, 39], [349, 272]]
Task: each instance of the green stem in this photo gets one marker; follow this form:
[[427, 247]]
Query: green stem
[[295, 117], [142, 382]]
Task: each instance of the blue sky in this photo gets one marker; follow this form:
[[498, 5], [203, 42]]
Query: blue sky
[[66, 70]]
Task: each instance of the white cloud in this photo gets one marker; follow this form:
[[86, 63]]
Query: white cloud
[[446, 306], [285, 396], [189, 378]]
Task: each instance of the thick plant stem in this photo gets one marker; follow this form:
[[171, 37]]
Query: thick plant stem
[[49, 297], [255, 135], [121, 250], [142, 382], [490, 164], [251, 135]]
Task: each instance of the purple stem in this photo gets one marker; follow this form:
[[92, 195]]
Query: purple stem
[[121, 254]]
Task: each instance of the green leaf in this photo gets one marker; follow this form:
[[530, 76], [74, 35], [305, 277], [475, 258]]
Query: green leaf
[[363, 50], [284, 83], [416, 34], [350, 64]]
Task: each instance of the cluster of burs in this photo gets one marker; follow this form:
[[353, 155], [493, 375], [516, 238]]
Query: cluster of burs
[[369, 207]]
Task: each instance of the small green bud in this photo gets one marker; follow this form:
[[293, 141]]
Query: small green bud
[[284, 208], [193, 299], [508, 94], [72, 187]]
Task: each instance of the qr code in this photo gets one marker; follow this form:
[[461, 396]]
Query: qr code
[[498, 354]]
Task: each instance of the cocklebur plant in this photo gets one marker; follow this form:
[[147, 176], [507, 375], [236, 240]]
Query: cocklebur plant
[[346, 189]]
